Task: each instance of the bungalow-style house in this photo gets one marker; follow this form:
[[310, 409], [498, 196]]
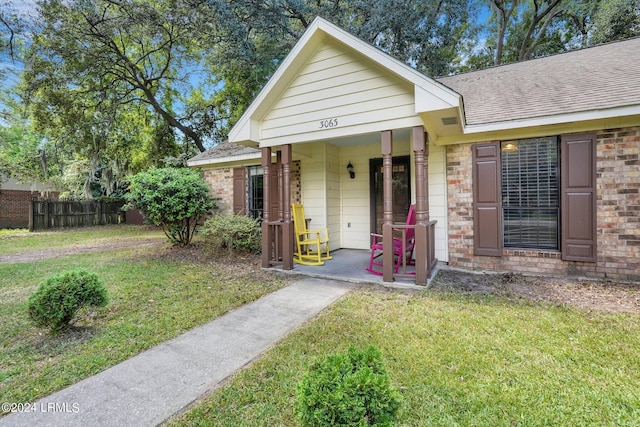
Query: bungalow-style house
[[527, 167]]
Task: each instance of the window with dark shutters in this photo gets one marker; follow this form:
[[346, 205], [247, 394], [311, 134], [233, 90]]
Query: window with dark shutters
[[578, 197], [520, 195], [487, 209]]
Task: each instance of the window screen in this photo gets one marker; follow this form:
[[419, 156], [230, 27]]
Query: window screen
[[530, 193], [255, 192]]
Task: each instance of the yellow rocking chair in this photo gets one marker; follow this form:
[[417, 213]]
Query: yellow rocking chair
[[312, 245]]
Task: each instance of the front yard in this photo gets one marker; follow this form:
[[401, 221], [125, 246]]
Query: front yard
[[498, 350], [472, 351], [156, 292]]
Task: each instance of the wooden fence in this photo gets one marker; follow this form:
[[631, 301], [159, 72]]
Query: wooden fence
[[45, 214]]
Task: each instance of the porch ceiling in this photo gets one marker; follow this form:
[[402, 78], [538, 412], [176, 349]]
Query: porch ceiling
[[365, 139]]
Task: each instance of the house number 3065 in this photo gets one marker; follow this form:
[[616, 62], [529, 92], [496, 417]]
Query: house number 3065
[[329, 123]]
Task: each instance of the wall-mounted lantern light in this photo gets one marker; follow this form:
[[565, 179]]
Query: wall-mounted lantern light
[[352, 174], [509, 147]]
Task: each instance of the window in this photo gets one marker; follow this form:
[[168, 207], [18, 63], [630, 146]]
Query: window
[[522, 189], [530, 193], [255, 192]]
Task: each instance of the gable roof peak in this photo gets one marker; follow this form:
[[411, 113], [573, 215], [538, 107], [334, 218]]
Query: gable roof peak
[[320, 32]]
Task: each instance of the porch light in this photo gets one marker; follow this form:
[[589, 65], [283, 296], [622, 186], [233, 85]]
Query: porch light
[[509, 147], [352, 174]]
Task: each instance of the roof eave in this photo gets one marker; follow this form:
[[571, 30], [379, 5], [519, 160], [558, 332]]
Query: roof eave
[[581, 116], [549, 125], [219, 160]]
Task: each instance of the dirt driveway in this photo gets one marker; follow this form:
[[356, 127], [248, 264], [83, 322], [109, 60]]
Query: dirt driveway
[[99, 245]]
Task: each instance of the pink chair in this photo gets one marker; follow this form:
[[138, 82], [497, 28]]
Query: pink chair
[[398, 244]]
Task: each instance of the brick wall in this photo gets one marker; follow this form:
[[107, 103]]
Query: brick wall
[[14, 207], [618, 195], [220, 181]]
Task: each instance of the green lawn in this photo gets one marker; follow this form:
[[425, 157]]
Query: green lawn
[[458, 360], [18, 241], [156, 293]]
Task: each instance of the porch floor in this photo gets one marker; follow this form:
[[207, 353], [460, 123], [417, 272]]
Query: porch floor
[[349, 265]]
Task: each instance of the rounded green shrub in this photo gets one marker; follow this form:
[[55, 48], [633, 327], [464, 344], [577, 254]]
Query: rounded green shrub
[[58, 298], [172, 198], [235, 233], [348, 389]]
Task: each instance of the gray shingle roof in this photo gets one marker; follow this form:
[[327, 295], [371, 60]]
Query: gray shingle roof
[[596, 78], [225, 150]]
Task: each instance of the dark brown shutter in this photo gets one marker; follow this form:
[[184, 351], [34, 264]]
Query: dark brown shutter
[[487, 210], [239, 190], [578, 197]]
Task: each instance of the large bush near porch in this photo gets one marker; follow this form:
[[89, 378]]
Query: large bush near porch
[[173, 198]]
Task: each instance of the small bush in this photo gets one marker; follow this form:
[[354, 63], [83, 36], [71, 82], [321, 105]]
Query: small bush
[[58, 298], [235, 233], [348, 389]]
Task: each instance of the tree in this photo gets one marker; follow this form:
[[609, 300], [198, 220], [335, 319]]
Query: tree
[[129, 52], [616, 20], [521, 26], [579, 16], [9, 27], [173, 198], [24, 153], [424, 34]]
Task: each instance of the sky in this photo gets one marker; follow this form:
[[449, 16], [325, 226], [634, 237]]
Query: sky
[[23, 6]]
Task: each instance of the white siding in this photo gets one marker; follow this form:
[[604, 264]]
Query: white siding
[[438, 198], [337, 84], [313, 185], [332, 162], [356, 207], [355, 195]]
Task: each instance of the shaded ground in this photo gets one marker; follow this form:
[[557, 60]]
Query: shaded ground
[[583, 293]]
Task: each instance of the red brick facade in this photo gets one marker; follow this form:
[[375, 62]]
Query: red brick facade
[[14, 207], [220, 182], [618, 223]]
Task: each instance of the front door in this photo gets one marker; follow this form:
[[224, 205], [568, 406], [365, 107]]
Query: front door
[[401, 191]]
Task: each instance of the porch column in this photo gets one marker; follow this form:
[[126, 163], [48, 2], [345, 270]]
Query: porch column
[[422, 205], [387, 197], [287, 226], [280, 200], [267, 237]]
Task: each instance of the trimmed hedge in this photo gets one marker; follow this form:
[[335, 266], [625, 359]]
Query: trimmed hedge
[[58, 298], [348, 389]]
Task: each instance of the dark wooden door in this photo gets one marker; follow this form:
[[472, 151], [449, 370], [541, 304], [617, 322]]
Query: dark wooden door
[[401, 191]]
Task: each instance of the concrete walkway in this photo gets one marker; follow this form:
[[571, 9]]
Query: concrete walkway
[[152, 386]]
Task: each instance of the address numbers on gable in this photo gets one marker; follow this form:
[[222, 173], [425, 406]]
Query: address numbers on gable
[[328, 123]]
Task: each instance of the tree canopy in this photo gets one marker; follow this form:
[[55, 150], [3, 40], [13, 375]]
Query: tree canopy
[[111, 87]]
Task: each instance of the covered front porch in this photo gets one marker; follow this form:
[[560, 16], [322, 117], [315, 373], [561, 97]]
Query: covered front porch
[[346, 204], [335, 101]]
